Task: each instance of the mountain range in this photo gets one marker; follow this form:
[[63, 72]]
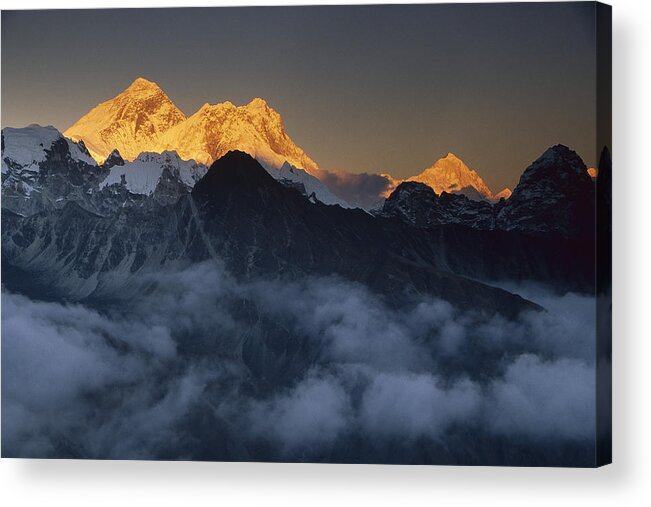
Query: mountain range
[[86, 229], [142, 118]]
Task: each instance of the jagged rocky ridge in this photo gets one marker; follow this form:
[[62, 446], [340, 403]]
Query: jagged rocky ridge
[[555, 198], [41, 169]]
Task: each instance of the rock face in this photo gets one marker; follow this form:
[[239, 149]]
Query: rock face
[[417, 204], [113, 159], [131, 122], [41, 170], [450, 174], [555, 196]]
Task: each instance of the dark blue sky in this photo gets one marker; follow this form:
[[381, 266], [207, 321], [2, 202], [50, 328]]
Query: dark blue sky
[[361, 88]]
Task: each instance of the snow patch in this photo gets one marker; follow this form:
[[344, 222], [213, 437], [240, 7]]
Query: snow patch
[[143, 174], [27, 147]]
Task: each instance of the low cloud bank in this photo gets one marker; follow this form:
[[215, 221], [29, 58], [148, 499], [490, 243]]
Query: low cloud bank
[[203, 367]]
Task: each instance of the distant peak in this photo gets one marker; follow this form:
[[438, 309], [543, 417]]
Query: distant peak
[[143, 84], [559, 152], [258, 102], [451, 174], [451, 158], [558, 149], [141, 81]]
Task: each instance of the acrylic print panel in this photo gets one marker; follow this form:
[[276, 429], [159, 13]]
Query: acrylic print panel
[[364, 234]]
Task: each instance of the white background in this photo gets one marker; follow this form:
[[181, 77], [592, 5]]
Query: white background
[[626, 482]]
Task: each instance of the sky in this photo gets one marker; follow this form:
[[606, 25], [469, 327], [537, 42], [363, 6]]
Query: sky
[[360, 88]]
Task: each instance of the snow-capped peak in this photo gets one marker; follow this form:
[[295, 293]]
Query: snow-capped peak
[[141, 84], [142, 118], [255, 128], [257, 103], [27, 147], [450, 174], [132, 121]]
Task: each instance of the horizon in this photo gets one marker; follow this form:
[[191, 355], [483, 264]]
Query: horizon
[[535, 93]]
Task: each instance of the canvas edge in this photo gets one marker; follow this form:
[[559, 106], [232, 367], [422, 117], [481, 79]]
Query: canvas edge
[[603, 429]]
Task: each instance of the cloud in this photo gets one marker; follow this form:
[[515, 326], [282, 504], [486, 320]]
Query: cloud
[[544, 399], [311, 415], [348, 323], [76, 382], [411, 406], [203, 366], [364, 190]]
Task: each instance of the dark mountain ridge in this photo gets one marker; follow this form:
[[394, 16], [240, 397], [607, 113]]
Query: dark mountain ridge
[[237, 214]]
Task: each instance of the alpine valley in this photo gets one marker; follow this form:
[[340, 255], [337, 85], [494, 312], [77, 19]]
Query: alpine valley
[[225, 284]]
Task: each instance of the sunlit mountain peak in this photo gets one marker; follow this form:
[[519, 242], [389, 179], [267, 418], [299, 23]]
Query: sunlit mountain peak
[[132, 121], [141, 83], [450, 174], [142, 118]]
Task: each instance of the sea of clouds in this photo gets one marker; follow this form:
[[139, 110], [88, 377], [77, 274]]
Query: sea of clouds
[[200, 366]]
